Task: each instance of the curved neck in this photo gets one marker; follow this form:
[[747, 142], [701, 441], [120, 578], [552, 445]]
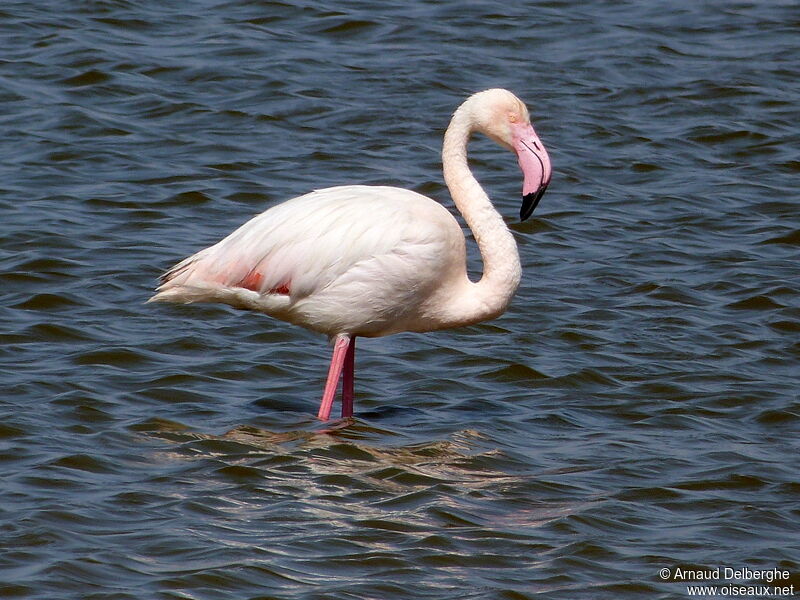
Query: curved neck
[[501, 266]]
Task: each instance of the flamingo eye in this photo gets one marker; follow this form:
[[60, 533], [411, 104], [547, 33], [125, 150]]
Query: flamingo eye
[[513, 117]]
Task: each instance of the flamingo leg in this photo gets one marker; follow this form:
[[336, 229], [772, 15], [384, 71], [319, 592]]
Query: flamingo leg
[[348, 380], [340, 349]]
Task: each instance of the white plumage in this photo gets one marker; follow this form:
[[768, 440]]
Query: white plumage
[[370, 261], [323, 255]]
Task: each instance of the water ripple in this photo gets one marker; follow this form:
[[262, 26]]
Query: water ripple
[[635, 409]]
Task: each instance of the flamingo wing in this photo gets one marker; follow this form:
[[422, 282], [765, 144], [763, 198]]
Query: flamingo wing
[[384, 243]]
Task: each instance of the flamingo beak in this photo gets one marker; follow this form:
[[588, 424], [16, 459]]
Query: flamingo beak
[[535, 165]]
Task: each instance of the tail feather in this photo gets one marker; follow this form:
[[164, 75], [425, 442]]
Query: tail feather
[[177, 270]]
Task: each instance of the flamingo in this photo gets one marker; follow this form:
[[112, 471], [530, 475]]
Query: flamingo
[[370, 261]]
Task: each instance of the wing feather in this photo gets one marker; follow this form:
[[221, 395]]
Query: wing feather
[[302, 246]]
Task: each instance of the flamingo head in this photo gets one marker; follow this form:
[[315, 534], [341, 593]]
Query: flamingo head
[[504, 118]]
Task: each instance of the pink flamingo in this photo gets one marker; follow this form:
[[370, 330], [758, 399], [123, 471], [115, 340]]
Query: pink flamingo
[[370, 261]]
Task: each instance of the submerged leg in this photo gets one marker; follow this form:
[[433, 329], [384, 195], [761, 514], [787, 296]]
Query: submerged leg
[[340, 348], [348, 379]]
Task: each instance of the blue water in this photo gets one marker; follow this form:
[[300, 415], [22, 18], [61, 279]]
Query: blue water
[[636, 409]]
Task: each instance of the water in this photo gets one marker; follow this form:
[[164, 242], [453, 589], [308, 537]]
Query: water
[[636, 409]]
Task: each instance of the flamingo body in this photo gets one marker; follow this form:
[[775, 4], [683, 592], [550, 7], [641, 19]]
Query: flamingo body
[[319, 261], [369, 260]]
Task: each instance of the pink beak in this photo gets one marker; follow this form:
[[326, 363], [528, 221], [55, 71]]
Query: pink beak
[[535, 165]]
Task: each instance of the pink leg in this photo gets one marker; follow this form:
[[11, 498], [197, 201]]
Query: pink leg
[[340, 348], [349, 379]]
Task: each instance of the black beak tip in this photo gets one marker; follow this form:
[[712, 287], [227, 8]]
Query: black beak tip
[[530, 202]]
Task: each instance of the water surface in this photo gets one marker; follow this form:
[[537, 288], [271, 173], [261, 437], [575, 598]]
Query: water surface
[[636, 408]]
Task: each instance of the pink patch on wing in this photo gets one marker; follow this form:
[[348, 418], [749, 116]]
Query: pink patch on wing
[[252, 281], [281, 289]]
